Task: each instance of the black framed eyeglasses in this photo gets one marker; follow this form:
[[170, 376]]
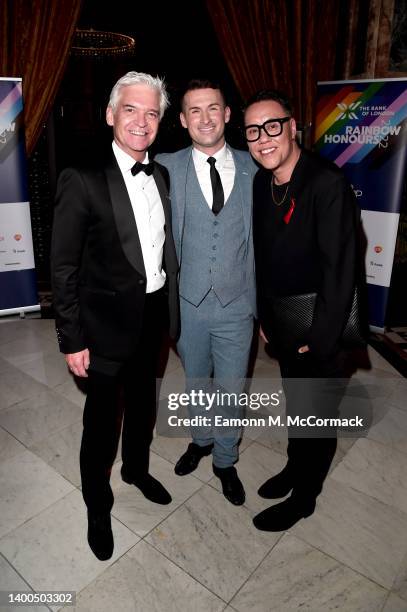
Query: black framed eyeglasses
[[272, 127]]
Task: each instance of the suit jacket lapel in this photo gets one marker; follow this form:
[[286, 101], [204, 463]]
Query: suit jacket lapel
[[180, 187], [163, 193], [244, 183], [170, 258], [300, 176], [124, 217]]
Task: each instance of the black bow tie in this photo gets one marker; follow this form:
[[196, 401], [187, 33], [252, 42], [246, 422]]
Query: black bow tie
[[139, 167]]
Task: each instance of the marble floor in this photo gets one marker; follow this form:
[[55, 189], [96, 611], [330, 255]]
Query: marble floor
[[200, 553]]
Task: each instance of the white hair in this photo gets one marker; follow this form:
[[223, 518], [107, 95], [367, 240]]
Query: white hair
[[134, 78]]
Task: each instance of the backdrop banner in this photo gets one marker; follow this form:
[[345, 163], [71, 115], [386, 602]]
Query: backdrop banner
[[18, 291], [362, 127]]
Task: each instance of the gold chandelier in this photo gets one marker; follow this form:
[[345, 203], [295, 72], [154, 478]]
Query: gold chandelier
[[98, 44]]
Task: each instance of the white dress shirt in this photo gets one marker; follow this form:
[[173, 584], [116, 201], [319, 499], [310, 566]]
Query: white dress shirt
[[224, 165], [149, 215]]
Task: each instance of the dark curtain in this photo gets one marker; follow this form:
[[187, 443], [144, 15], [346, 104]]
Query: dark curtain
[[35, 39], [283, 44]]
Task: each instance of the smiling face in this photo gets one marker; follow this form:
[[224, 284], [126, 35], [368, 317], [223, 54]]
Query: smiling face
[[135, 119], [276, 153], [204, 115]]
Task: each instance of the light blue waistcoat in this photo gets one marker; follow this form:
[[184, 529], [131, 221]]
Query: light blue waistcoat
[[213, 247]]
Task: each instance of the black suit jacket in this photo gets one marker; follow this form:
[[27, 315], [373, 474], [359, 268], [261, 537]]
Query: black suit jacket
[[317, 251], [97, 267]]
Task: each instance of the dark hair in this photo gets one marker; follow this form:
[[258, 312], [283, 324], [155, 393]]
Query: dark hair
[[271, 94], [201, 84]]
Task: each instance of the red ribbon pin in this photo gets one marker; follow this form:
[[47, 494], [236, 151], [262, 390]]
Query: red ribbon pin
[[289, 212]]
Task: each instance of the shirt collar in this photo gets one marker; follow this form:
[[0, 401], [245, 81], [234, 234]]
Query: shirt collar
[[124, 160], [200, 158]]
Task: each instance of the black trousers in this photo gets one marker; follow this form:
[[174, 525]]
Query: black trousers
[[312, 388], [127, 400]]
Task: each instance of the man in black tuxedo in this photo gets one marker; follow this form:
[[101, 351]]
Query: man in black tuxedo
[[305, 233], [114, 276]]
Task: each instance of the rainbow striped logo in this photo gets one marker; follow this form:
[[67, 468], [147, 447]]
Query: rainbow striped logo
[[358, 117]]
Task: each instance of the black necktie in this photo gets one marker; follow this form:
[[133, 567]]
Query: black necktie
[[139, 167], [217, 189]]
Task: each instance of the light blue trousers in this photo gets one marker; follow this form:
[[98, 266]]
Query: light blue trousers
[[215, 342]]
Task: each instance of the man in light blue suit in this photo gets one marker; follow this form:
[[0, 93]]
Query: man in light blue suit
[[211, 194]]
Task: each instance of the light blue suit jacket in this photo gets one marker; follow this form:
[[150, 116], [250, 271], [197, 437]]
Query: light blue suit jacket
[[177, 165]]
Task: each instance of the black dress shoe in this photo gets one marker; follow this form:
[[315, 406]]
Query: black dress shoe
[[284, 515], [231, 485], [100, 536], [278, 486], [189, 461], [150, 487]]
